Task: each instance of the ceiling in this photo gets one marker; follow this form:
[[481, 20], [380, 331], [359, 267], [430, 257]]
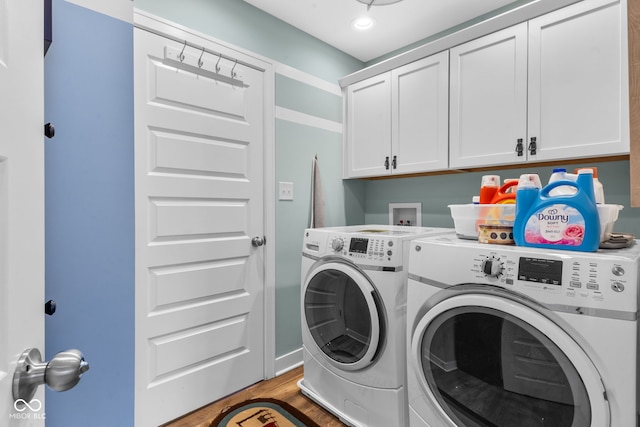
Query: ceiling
[[397, 25]]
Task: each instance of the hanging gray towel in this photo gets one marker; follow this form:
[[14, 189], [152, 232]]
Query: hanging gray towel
[[317, 199]]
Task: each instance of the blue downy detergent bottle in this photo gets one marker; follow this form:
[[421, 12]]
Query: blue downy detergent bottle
[[566, 221]]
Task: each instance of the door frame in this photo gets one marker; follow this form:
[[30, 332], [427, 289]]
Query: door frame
[[172, 30]]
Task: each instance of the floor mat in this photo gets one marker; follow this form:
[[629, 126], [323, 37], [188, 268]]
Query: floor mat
[[262, 413]]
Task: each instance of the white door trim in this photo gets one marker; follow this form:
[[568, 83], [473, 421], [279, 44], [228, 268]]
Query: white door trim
[[149, 22]]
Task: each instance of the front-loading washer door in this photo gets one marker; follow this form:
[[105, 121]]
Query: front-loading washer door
[[342, 312], [493, 359]]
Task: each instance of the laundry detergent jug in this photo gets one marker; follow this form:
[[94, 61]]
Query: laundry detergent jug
[[565, 221], [506, 193]]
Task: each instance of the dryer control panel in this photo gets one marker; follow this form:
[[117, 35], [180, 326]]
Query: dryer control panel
[[607, 279], [574, 277]]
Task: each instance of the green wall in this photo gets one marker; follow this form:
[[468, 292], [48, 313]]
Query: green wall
[[501, 10], [436, 192], [240, 24]]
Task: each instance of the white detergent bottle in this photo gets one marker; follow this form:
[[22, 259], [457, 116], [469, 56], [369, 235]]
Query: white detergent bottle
[[598, 188], [560, 174]]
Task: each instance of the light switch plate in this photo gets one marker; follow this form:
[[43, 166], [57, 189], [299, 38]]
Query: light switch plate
[[285, 190]]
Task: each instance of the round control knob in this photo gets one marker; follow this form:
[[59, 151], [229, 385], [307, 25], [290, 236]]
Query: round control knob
[[617, 270], [492, 267], [337, 245], [617, 287]]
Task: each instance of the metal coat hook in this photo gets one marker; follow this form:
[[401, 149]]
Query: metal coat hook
[[233, 73], [218, 63], [181, 57], [200, 61]]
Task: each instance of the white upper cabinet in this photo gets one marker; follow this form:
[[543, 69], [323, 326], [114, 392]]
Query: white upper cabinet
[[420, 116], [397, 122], [553, 88], [488, 106], [368, 144], [578, 81]]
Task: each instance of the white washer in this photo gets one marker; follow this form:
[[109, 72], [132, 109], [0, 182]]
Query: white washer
[[354, 320], [516, 336]]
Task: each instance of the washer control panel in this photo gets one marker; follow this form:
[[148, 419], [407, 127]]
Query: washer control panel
[[378, 249]]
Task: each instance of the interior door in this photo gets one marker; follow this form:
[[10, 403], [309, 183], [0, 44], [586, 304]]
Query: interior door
[[21, 201], [199, 224]]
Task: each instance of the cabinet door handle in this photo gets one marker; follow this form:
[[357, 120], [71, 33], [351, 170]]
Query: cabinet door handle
[[533, 146], [520, 147], [386, 163], [394, 162]]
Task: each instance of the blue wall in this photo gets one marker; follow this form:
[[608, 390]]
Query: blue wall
[[89, 204]]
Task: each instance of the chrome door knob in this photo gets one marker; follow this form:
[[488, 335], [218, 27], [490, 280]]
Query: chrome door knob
[[258, 241], [61, 373]]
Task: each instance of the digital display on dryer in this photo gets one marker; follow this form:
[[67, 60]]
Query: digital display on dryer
[[358, 245], [538, 270]]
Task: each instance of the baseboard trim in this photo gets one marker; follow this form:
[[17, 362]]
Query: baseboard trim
[[288, 361]]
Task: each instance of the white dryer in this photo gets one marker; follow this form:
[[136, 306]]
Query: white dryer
[[513, 336], [354, 321]]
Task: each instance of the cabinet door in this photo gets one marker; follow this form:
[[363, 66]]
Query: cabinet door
[[578, 85], [368, 146], [488, 105], [420, 115]]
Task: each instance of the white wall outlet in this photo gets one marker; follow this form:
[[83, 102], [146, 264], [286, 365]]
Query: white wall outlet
[[285, 190]]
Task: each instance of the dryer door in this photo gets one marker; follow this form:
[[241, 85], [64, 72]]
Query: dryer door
[[492, 359], [344, 315]]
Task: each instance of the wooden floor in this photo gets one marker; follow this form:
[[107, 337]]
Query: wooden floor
[[284, 388]]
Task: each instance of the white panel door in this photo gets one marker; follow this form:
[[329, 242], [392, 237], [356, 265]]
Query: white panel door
[[368, 146], [21, 201], [578, 84], [420, 115], [488, 100], [199, 204]]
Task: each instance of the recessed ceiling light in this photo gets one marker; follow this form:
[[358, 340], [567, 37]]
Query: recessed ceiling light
[[363, 23]]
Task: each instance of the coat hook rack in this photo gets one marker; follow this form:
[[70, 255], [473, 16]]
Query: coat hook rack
[[181, 56], [233, 72], [200, 61]]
